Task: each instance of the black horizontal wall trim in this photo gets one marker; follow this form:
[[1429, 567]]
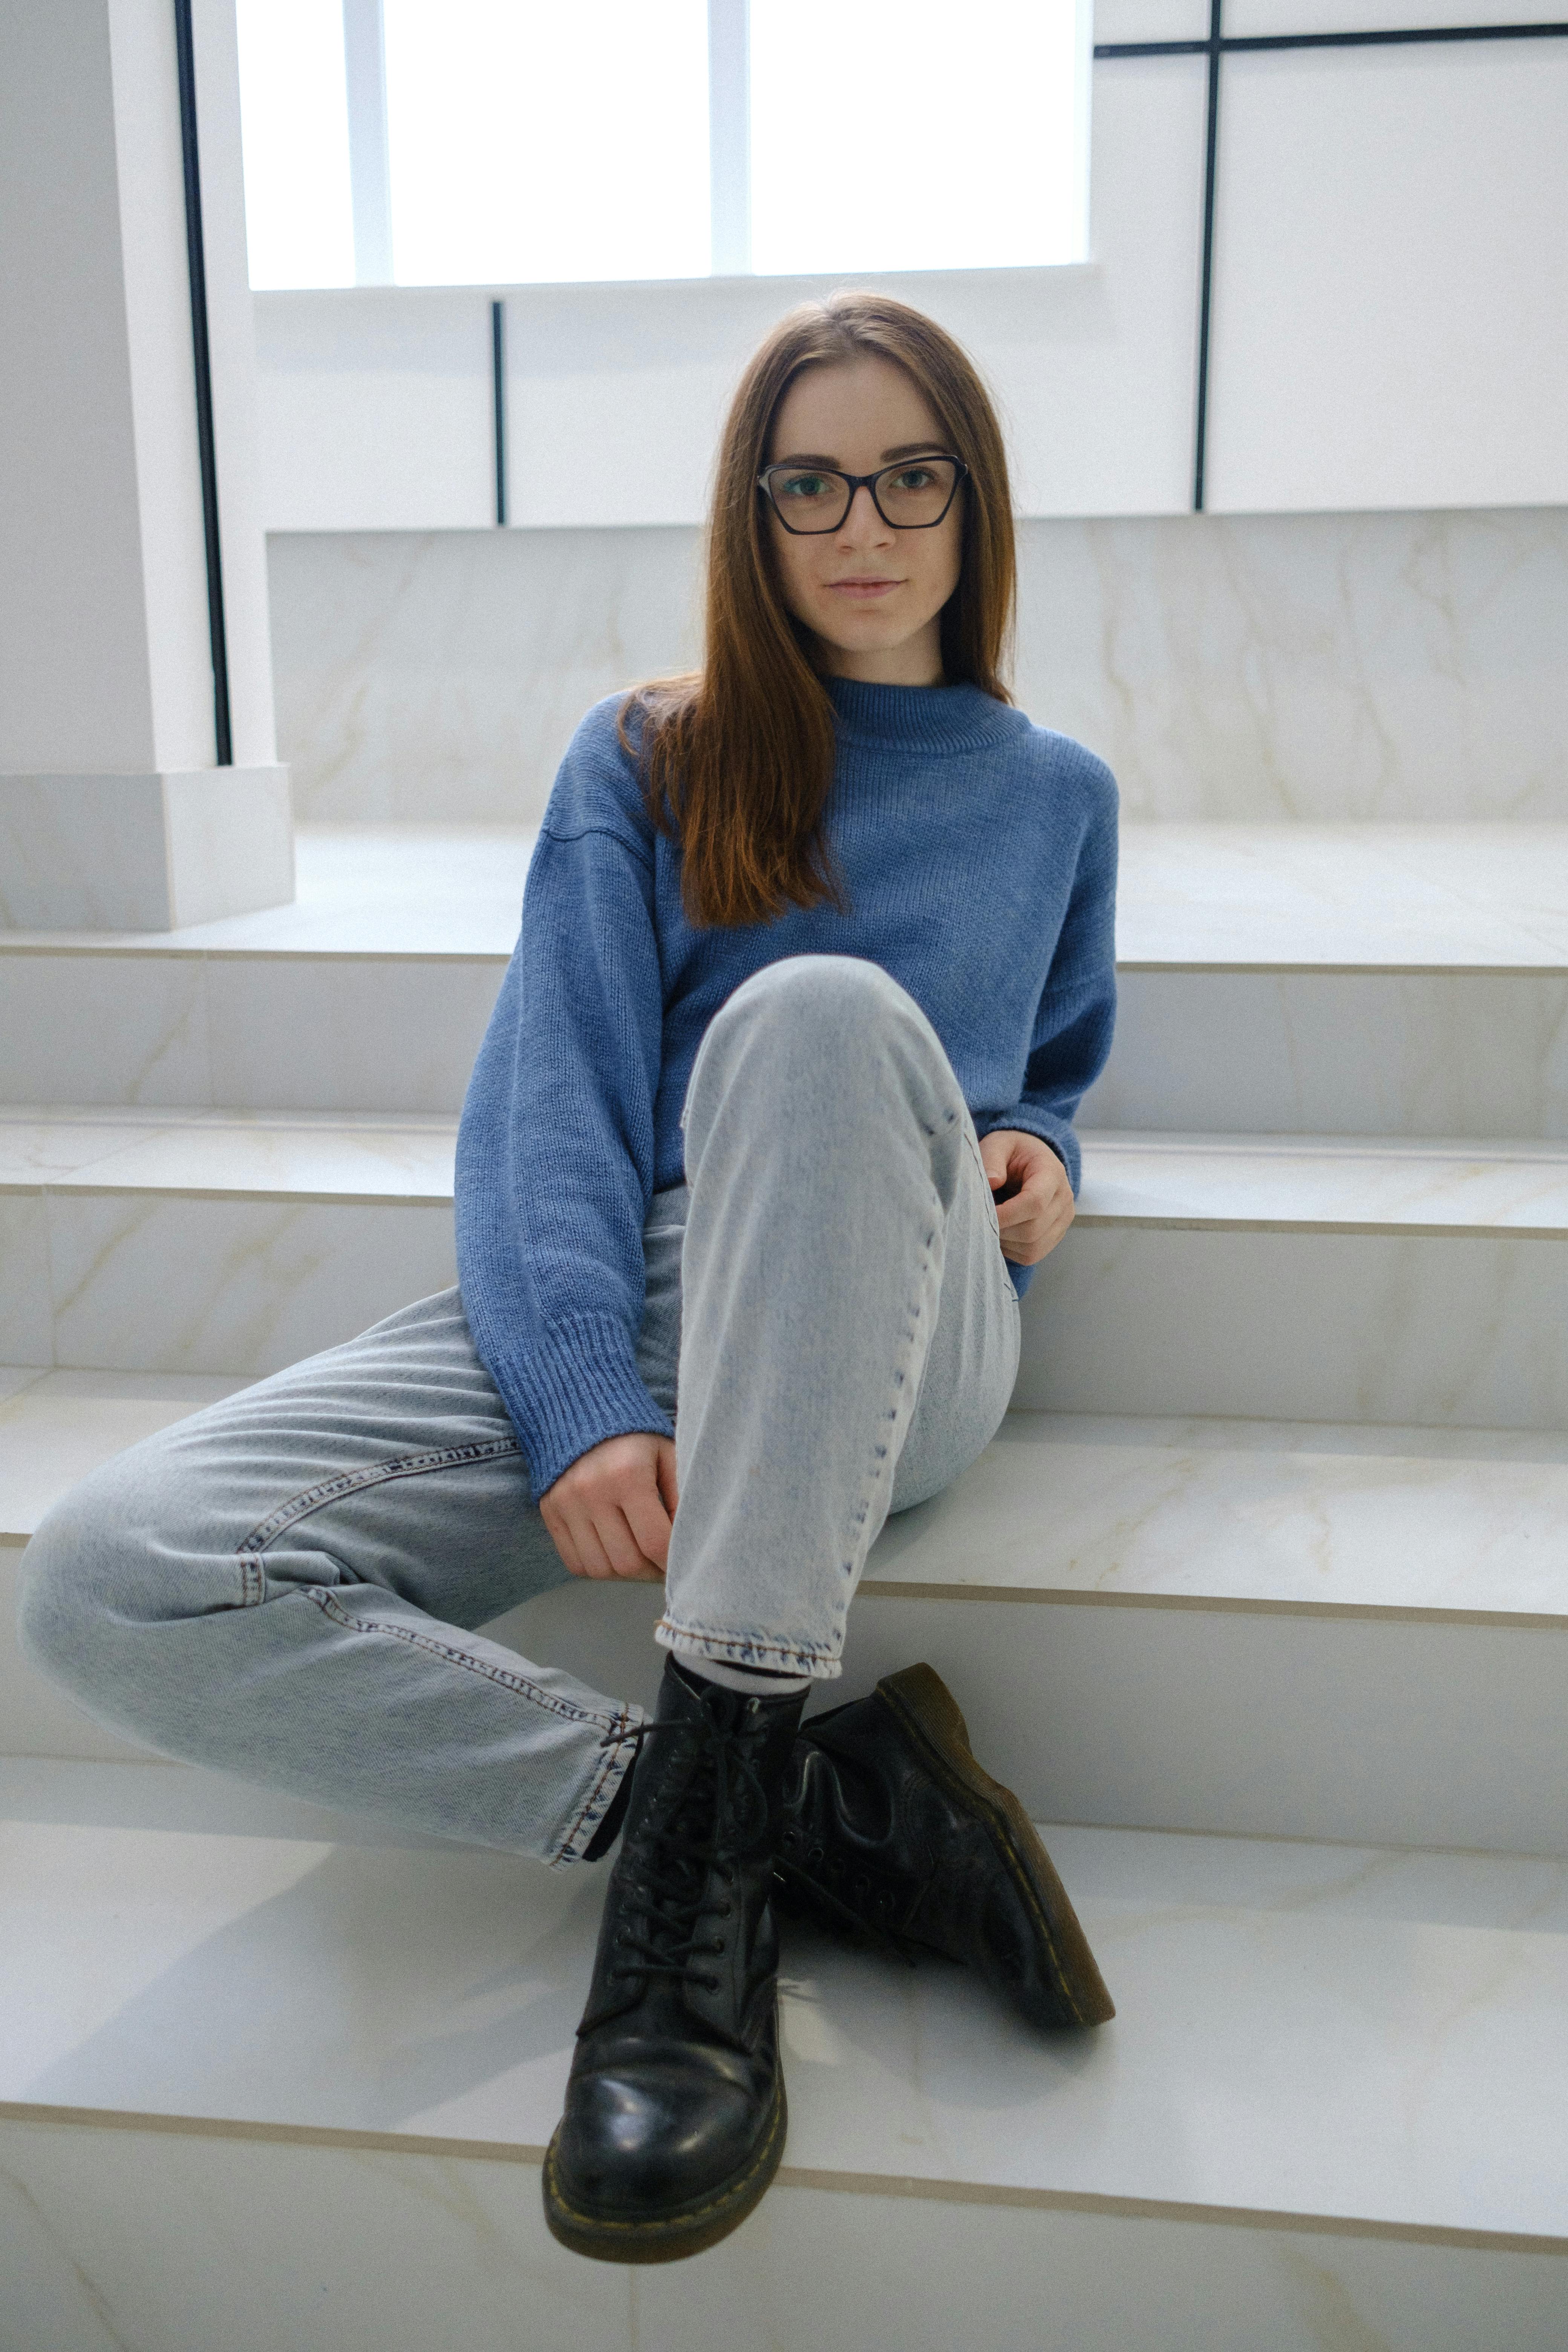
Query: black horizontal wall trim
[[1404, 36], [1220, 43]]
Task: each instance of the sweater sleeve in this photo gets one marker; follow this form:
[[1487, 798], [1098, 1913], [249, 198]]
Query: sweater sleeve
[[1077, 1012], [555, 1151]]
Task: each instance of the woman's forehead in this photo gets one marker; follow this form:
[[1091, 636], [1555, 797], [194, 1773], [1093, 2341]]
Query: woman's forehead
[[864, 399]]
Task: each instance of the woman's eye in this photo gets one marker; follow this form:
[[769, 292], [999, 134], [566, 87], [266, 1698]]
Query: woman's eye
[[914, 477], [803, 486]]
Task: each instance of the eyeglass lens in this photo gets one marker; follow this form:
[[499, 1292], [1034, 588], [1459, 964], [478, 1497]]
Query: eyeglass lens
[[910, 497]]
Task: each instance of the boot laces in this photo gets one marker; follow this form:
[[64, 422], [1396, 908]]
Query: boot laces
[[715, 1788]]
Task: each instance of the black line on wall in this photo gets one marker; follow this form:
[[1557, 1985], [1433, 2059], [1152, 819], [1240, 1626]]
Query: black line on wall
[[1206, 305], [497, 396], [196, 258], [1393, 39], [1220, 43]]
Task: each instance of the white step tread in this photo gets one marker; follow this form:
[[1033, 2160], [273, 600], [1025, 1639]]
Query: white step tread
[[1470, 1523], [1302, 2030], [1371, 1184], [1345, 1185], [215, 1154], [1349, 898], [361, 891]]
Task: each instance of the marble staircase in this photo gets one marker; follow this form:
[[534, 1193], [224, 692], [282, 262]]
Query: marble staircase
[[1260, 1600]]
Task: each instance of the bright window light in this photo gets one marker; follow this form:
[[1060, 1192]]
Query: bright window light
[[538, 140], [294, 119], [546, 140], [915, 136]]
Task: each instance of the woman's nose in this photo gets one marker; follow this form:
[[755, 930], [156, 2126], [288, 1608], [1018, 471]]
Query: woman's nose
[[863, 522]]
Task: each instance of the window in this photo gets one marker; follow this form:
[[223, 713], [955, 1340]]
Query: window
[[460, 141]]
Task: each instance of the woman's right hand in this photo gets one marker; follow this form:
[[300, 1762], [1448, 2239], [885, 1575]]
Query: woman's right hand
[[610, 1513]]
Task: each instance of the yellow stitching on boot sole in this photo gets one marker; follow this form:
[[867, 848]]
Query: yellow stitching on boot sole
[[669, 2221], [1001, 1830]]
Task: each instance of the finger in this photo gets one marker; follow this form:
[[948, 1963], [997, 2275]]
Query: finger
[[596, 1561], [560, 1537], [648, 1522], [665, 1467], [619, 1545]]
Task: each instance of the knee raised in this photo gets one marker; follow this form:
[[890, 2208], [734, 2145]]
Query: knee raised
[[833, 998]]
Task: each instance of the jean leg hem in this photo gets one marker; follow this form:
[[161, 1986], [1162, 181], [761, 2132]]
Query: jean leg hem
[[812, 1659], [618, 1757]]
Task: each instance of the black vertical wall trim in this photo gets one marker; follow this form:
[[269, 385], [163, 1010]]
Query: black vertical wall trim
[[497, 394], [1205, 307], [1218, 46], [195, 257]]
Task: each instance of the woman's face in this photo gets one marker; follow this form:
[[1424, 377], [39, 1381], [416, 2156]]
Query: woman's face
[[869, 594]]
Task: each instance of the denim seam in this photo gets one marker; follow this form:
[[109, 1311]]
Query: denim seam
[[373, 1473], [746, 1649], [252, 1582], [877, 1470], [596, 1804], [330, 1606]]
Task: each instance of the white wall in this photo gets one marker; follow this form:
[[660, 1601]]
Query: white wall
[[105, 654], [1391, 314]]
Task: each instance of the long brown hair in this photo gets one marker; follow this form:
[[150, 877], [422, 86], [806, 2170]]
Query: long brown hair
[[736, 760]]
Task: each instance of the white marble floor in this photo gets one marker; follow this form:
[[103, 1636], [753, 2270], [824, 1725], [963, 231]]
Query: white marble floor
[[1303, 2028], [374, 889], [265, 1154], [1374, 1184], [1368, 897], [1371, 1184], [1426, 1520], [1349, 897]]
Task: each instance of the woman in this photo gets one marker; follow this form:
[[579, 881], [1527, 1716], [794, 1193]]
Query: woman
[[816, 958]]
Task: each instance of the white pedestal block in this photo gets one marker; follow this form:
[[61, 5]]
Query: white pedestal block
[[143, 853]]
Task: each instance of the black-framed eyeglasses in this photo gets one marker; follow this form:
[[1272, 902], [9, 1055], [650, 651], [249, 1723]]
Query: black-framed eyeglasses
[[913, 495]]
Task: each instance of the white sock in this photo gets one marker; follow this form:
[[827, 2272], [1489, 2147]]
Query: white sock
[[756, 1682]]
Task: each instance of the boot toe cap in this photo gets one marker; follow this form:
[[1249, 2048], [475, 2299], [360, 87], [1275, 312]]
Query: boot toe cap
[[638, 2141]]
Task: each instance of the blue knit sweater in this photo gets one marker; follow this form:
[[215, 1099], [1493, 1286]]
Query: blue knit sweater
[[979, 852]]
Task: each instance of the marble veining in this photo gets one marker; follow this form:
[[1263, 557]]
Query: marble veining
[[341, 1156], [461, 2254], [1298, 1052], [1367, 896], [1375, 1185], [1337, 2010], [1307, 667], [55, 1426], [1280, 1512], [1456, 1331]]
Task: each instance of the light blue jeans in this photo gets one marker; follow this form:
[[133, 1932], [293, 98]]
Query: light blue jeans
[[288, 1585]]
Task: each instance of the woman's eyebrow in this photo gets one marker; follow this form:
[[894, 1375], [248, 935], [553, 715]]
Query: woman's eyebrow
[[815, 458]]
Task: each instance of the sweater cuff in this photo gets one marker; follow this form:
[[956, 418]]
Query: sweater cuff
[[578, 1385]]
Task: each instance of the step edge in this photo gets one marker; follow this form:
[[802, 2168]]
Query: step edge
[[1211, 1604], [931, 2190]]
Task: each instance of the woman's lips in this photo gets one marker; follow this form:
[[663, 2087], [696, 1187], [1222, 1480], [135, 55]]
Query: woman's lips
[[859, 591]]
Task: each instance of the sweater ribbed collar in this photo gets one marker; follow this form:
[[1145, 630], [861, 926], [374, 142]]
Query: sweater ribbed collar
[[921, 718]]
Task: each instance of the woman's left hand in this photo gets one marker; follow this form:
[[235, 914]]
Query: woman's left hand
[[1039, 1213]]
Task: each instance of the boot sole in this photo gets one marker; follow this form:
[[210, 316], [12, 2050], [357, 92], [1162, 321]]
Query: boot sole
[[667, 2237], [929, 1717]]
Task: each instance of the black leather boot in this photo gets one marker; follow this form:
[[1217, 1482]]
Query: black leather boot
[[891, 1826], [675, 2107]]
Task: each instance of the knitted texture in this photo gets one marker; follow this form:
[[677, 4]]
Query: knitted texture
[[979, 852]]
